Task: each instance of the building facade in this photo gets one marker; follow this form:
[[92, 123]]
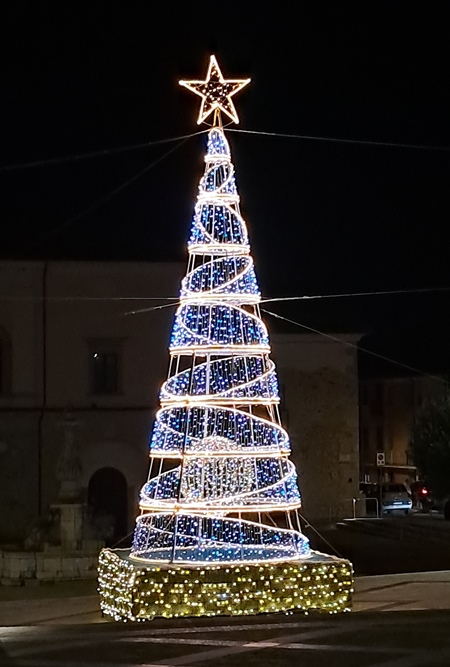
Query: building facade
[[70, 343]]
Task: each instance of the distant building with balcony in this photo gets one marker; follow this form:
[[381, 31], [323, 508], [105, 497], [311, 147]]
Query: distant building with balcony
[[388, 408]]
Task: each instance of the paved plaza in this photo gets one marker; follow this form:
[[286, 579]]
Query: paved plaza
[[398, 621]]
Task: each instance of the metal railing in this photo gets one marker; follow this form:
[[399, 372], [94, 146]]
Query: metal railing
[[371, 508]]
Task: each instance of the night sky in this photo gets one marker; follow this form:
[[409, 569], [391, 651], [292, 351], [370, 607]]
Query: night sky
[[324, 217]]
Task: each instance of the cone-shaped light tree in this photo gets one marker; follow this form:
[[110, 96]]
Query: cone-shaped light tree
[[221, 487], [221, 490]]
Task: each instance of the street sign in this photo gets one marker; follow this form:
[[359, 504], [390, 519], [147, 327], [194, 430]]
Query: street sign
[[381, 459]]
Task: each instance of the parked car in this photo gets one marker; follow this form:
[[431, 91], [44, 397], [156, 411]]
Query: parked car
[[395, 498], [386, 498]]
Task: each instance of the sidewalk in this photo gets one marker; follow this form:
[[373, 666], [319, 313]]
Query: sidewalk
[[71, 603], [412, 591]]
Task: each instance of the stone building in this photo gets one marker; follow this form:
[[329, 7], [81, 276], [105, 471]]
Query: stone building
[[68, 342]]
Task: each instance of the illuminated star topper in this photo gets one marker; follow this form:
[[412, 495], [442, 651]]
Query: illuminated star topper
[[216, 92]]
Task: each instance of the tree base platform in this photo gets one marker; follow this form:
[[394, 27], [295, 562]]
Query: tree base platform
[[140, 591]]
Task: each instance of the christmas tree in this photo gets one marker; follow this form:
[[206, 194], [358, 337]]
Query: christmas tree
[[221, 490], [220, 474]]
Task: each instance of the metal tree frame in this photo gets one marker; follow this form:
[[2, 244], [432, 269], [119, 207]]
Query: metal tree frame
[[219, 416], [222, 494]]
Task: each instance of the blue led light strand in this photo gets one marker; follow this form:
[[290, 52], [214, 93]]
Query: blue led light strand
[[222, 450]]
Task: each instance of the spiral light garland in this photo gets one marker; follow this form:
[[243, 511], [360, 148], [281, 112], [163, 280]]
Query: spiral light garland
[[220, 481], [219, 531]]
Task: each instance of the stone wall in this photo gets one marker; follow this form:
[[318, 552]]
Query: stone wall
[[319, 407], [19, 464], [19, 567]]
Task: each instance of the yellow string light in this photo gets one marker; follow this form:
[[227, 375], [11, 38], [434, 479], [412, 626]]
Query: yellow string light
[[216, 92], [139, 593]]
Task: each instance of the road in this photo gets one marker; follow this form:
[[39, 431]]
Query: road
[[374, 639], [399, 620]]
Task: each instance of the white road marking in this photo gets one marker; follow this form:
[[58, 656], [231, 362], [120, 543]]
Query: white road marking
[[254, 646], [266, 644], [180, 641], [198, 629]]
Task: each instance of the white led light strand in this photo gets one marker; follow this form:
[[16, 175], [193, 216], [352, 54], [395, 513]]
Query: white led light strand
[[219, 530], [222, 452]]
